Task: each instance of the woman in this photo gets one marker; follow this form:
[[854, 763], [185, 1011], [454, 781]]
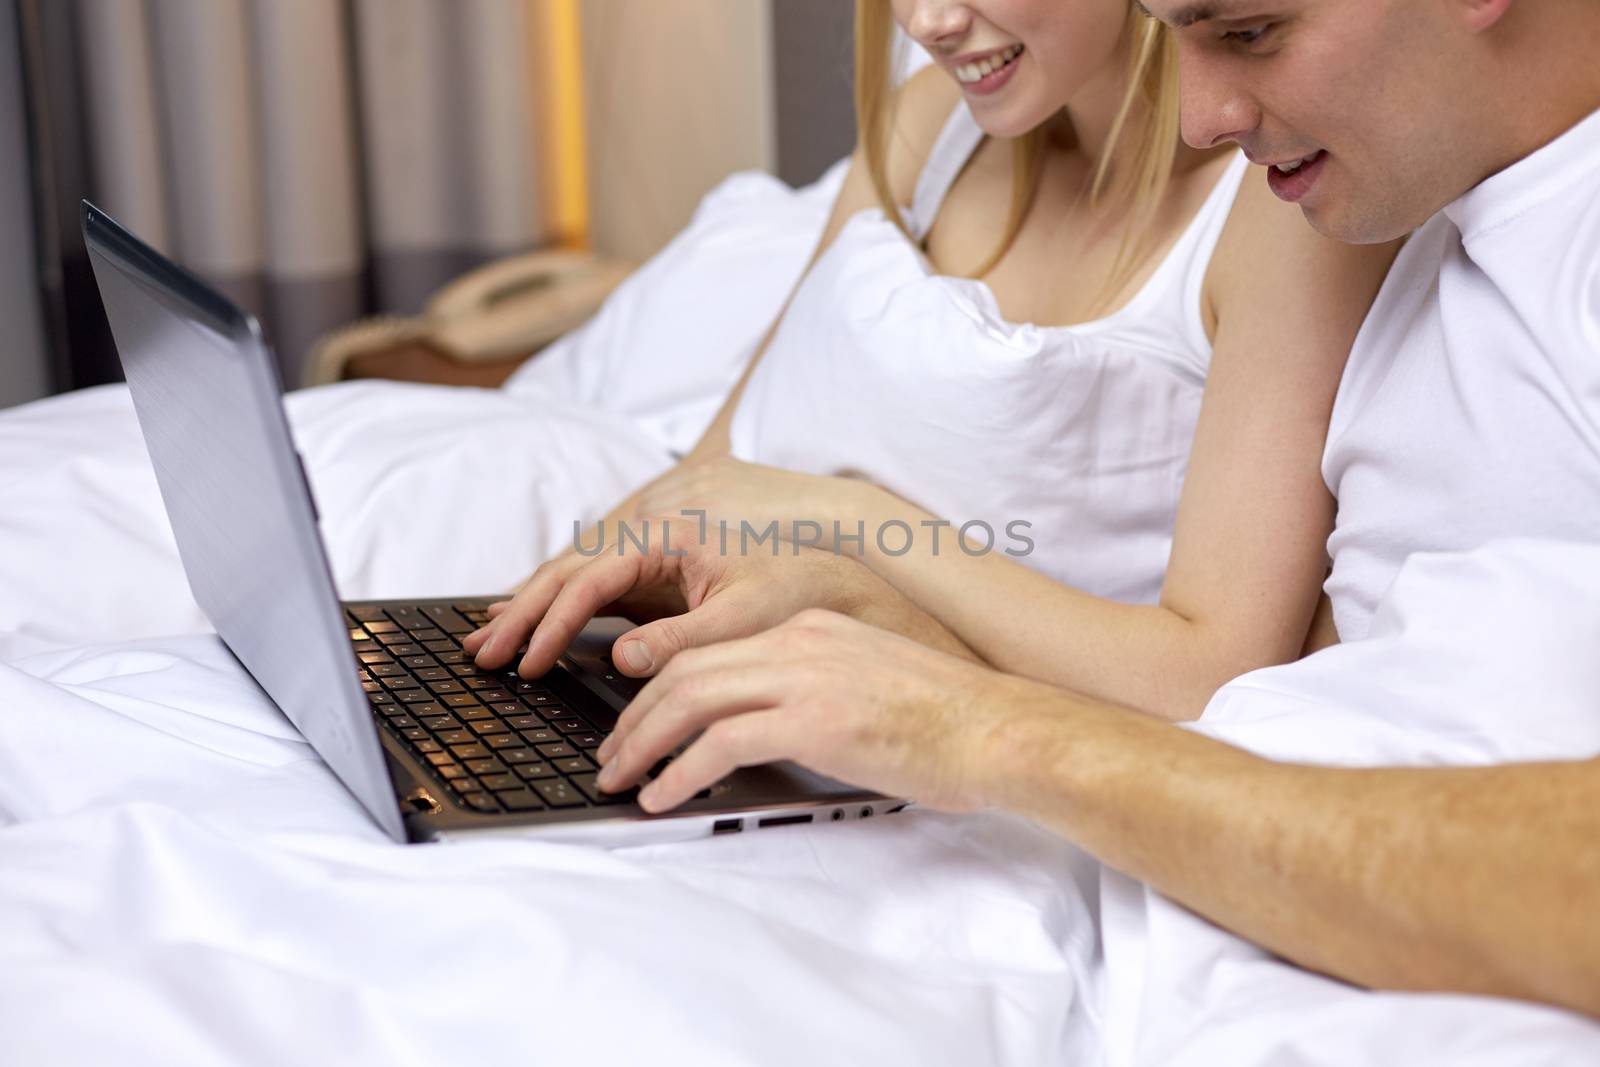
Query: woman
[[893, 389]]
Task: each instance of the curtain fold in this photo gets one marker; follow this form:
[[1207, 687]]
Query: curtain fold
[[316, 160]]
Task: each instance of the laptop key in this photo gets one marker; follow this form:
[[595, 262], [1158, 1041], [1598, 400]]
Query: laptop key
[[430, 673], [443, 685], [499, 741], [532, 771], [469, 751], [485, 727], [438, 723], [586, 784], [365, 646], [558, 794], [499, 782], [570, 725], [411, 696], [555, 751], [574, 765], [441, 646], [518, 754], [379, 698], [481, 801], [451, 771], [460, 700], [456, 737], [540, 737], [521, 800], [429, 708], [455, 659], [405, 650], [371, 687], [439, 759], [401, 681], [428, 746], [481, 767], [367, 613], [429, 634], [586, 740], [492, 695], [419, 661], [379, 626], [402, 722], [446, 619], [411, 733], [375, 657], [479, 683], [475, 714]]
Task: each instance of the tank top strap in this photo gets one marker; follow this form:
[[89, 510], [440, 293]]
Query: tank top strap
[[956, 143]]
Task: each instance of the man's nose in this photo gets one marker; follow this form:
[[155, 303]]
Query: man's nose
[[939, 23], [1213, 106]]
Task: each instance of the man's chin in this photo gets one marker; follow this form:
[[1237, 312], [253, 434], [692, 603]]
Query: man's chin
[[1340, 222]]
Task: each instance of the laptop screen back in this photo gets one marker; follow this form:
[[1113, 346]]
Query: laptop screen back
[[210, 407]]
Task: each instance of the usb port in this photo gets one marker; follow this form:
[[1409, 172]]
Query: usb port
[[727, 826], [784, 820]]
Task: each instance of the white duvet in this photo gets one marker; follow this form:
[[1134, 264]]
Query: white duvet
[[183, 882]]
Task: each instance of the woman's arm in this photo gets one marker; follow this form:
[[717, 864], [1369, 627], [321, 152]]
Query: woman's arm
[[1249, 549], [924, 103]]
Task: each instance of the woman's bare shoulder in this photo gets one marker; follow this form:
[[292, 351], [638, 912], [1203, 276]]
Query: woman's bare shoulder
[[1269, 255], [923, 106]]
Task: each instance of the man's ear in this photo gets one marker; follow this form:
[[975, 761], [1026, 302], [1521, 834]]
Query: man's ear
[[1481, 15]]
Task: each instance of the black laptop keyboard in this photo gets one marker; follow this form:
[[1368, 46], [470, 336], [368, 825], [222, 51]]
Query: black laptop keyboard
[[498, 743]]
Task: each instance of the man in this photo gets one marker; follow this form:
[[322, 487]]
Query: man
[[1470, 411]]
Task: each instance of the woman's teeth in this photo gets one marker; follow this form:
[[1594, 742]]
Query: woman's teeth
[[1290, 168], [971, 72]]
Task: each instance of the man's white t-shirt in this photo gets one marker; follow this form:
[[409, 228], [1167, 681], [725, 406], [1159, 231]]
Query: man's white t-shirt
[[1470, 407]]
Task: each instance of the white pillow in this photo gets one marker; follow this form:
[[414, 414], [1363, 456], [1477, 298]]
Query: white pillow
[[668, 345]]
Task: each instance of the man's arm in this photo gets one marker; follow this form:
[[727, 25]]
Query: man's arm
[[1473, 880], [1477, 880]]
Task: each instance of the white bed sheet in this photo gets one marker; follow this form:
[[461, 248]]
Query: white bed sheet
[[181, 881]]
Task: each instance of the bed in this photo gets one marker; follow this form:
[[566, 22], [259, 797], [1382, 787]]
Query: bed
[[183, 882]]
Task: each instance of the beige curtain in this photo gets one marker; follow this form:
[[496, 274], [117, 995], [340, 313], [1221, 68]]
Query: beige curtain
[[316, 159]]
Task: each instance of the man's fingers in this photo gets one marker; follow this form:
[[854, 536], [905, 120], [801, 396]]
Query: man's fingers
[[691, 662], [740, 741], [687, 707]]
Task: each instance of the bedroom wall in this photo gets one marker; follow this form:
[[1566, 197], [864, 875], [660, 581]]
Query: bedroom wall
[[24, 373]]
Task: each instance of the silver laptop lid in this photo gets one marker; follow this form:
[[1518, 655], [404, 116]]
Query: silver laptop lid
[[211, 409]]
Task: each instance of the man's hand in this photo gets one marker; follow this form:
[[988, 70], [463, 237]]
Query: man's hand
[[868, 707], [697, 598]]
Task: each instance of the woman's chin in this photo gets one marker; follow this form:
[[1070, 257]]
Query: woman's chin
[[1005, 123]]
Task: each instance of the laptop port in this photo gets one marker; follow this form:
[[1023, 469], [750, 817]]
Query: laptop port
[[838, 814], [727, 826], [784, 820], [866, 813]]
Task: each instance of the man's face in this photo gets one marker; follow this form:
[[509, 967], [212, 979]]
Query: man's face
[[1373, 99]]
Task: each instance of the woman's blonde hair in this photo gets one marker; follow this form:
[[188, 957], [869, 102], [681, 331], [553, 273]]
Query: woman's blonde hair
[[1130, 178]]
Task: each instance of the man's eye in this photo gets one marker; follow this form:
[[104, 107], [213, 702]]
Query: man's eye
[[1252, 35]]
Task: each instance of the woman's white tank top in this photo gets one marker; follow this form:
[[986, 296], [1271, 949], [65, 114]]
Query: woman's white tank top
[[883, 370]]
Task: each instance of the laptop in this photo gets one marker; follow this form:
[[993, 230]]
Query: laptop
[[432, 746]]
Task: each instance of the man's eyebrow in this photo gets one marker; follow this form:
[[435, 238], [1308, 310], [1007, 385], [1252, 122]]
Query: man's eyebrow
[[1189, 14]]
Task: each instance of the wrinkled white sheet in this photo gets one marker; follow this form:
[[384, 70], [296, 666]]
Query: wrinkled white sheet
[[181, 881]]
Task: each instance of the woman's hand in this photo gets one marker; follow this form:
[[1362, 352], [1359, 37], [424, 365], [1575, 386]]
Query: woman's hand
[[733, 491], [845, 699], [696, 594]]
